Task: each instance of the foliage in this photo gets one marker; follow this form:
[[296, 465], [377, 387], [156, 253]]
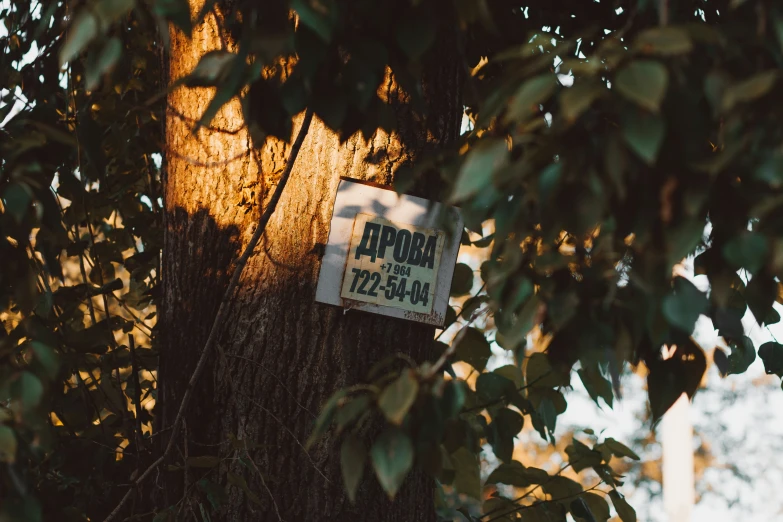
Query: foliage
[[608, 142]]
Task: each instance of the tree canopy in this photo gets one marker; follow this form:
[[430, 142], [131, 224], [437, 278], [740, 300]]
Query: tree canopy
[[607, 141]]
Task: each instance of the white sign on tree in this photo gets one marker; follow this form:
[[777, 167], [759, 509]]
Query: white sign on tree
[[389, 254]]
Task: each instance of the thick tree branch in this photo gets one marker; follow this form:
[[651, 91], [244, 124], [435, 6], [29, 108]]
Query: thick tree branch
[[222, 310]]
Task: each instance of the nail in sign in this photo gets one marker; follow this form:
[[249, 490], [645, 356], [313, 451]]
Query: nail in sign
[[392, 264]]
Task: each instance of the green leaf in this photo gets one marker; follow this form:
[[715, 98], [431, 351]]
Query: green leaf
[[204, 461], [487, 157], [576, 99], [540, 373], [18, 197], [325, 418], [473, 349], [665, 41], [747, 250], [562, 487], [684, 306], [320, 16], [619, 449], [749, 90], [351, 410], [760, 295], [771, 353], [7, 444], [742, 355], [529, 96], [643, 82], [467, 474], [392, 458], [178, 11], [397, 398], [505, 426], [80, 33], [462, 282], [597, 505], [27, 389], [490, 387], [215, 493], [644, 134], [107, 59], [512, 473], [581, 457], [212, 68], [512, 373], [623, 508], [353, 455]]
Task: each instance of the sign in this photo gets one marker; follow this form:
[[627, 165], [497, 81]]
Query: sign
[[389, 254], [392, 264]]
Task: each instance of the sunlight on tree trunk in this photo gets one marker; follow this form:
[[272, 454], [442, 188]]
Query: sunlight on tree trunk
[[285, 353]]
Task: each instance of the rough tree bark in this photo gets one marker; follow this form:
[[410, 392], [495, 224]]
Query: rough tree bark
[[286, 354]]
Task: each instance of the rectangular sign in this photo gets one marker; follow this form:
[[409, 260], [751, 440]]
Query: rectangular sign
[[392, 264]]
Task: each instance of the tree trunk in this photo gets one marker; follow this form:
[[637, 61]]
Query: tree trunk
[[285, 354]]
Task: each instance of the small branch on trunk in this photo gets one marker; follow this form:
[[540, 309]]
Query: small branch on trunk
[[220, 318]]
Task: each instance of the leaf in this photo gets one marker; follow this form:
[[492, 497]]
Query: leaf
[[623, 508], [505, 426], [771, 353], [668, 379], [487, 157], [473, 349], [597, 505], [760, 295], [397, 398], [490, 387], [619, 449], [325, 418], [684, 306], [748, 90], [540, 373], [80, 33], [529, 96], [643, 82], [27, 389], [215, 493], [747, 250], [178, 11], [351, 410], [462, 282], [644, 134], [742, 355], [353, 455], [467, 478], [392, 458], [665, 41], [512, 373], [319, 16], [211, 69], [512, 473], [204, 461], [104, 64], [578, 98], [7, 444], [18, 197], [562, 487]]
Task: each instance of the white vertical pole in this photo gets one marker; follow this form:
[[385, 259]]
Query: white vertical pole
[[678, 475]]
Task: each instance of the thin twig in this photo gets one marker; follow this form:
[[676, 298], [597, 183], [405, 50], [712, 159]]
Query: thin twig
[[223, 310]]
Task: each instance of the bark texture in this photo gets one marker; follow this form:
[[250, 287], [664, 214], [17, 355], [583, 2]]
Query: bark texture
[[285, 353]]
